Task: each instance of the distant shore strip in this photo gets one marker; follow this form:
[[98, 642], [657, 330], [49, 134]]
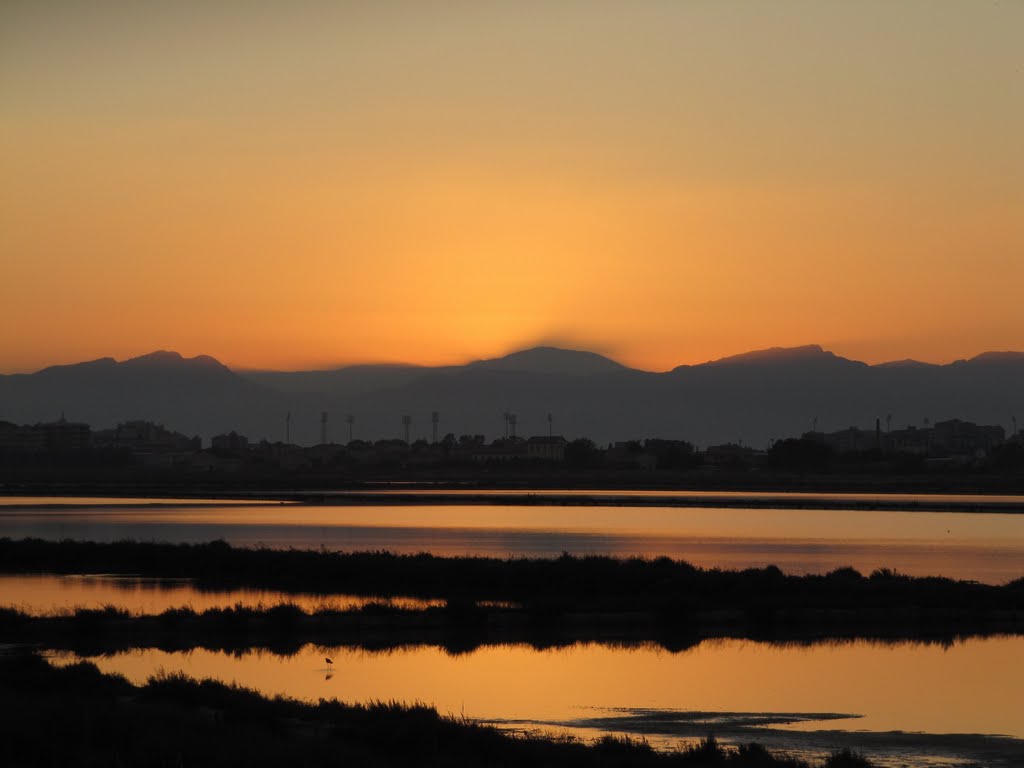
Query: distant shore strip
[[890, 502], [517, 599]]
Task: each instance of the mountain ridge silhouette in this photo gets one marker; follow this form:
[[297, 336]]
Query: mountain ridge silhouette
[[754, 397]]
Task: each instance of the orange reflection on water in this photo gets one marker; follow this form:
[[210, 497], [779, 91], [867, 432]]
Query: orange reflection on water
[[975, 686], [987, 547], [42, 595], [708, 522], [714, 522]]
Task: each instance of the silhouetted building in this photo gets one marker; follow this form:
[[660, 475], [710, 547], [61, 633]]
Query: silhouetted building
[[66, 436], [945, 438], [851, 440], [52, 437], [324, 454], [145, 437], [205, 461], [231, 443], [630, 453], [501, 451], [962, 438], [546, 448], [731, 455], [16, 438], [911, 440]]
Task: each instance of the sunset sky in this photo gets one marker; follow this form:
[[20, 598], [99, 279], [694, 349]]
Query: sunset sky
[[311, 183]]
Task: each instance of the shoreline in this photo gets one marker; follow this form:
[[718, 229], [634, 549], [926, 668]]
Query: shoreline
[[578, 598], [996, 503], [200, 716], [205, 722]]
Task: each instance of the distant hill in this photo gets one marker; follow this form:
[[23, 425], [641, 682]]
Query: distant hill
[[343, 382], [192, 395], [550, 360], [812, 353], [754, 398]]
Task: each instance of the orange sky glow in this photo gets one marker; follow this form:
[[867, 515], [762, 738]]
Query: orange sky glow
[[317, 183]]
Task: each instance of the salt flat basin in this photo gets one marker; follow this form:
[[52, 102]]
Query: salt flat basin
[[801, 693], [986, 547], [42, 595]]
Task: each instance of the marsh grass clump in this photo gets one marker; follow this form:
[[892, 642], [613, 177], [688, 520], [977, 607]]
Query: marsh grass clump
[[755, 755], [285, 615], [847, 758], [85, 619], [707, 751], [622, 744]]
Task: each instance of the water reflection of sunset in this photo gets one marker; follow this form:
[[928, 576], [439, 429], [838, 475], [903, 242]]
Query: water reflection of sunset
[[41, 595], [975, 686], [981, 546]]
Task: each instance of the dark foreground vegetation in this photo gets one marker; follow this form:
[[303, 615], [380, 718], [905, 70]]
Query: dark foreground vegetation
[[77, 716], [540, 601]]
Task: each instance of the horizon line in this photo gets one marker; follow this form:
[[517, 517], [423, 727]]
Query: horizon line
[[328, 367]]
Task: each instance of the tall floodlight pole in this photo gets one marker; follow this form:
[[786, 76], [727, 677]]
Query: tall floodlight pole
[[435, 419], [406, 423]]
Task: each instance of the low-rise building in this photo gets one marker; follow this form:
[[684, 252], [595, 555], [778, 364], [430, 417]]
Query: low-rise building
[[145, 437], [60, 436], [911, 440], [962, 438], [546, 448], [501, 451], [230, 444], [731, 455]]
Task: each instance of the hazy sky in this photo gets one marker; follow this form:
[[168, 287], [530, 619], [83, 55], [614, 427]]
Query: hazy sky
[[293, 184]]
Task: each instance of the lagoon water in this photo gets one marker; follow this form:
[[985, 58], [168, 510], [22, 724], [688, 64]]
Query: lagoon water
[[789, 696], [892, 700], [43, 595], [986, 547]]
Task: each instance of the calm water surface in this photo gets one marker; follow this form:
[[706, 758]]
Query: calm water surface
[[987, 547], [808, 497], [41, 595], [808, 698], [972, 687]]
